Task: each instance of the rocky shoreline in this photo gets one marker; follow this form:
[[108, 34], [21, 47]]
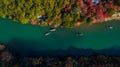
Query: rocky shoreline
[[115, 16]]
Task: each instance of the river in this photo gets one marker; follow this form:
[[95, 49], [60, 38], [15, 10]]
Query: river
[[27, 36]]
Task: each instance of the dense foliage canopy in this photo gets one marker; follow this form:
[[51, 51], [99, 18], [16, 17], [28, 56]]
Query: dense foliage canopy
[[57, 12], [117, 2]]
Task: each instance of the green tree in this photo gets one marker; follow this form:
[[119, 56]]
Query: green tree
[[111, 11], [90, 19], [84, 20], [117, 2]]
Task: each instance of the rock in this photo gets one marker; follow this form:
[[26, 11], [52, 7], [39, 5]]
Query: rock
[[2, 47]]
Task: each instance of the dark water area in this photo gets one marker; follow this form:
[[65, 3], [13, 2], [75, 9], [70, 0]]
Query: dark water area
[[26, 39]]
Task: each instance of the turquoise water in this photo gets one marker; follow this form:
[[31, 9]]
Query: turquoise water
[[32, 37]]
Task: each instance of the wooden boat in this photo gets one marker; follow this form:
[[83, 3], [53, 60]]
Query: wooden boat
[[109, 27], [53, 29], [79, 34], [47, 33]]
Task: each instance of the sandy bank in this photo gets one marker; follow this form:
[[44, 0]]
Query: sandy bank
[[115, 16]]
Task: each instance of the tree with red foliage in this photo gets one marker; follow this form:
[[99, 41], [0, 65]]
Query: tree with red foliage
[[84, 10], [100, 14], [67, 8], [89, 3], [109, 5], [106, 14]]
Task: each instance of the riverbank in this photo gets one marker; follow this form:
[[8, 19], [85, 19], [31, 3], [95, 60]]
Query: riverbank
[[67, 14], [115, 16], [9, 59]]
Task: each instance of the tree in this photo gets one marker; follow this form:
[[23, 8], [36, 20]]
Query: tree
[[111, 11], [90, 19], [69, 11], [117, 2], [84, 20]]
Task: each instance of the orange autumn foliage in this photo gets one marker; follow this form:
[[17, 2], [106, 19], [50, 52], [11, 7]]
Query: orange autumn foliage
[[78, 24], [57, 17], [50, 23]]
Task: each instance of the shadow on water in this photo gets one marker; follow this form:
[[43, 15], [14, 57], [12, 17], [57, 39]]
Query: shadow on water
[[23, 47]]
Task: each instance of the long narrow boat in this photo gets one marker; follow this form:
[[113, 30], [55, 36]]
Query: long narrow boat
[[53, 29], [79, 34], [47, 33], [109, 27]]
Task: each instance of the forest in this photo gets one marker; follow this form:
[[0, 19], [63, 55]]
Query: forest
[[9, 59], [66, 13]]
